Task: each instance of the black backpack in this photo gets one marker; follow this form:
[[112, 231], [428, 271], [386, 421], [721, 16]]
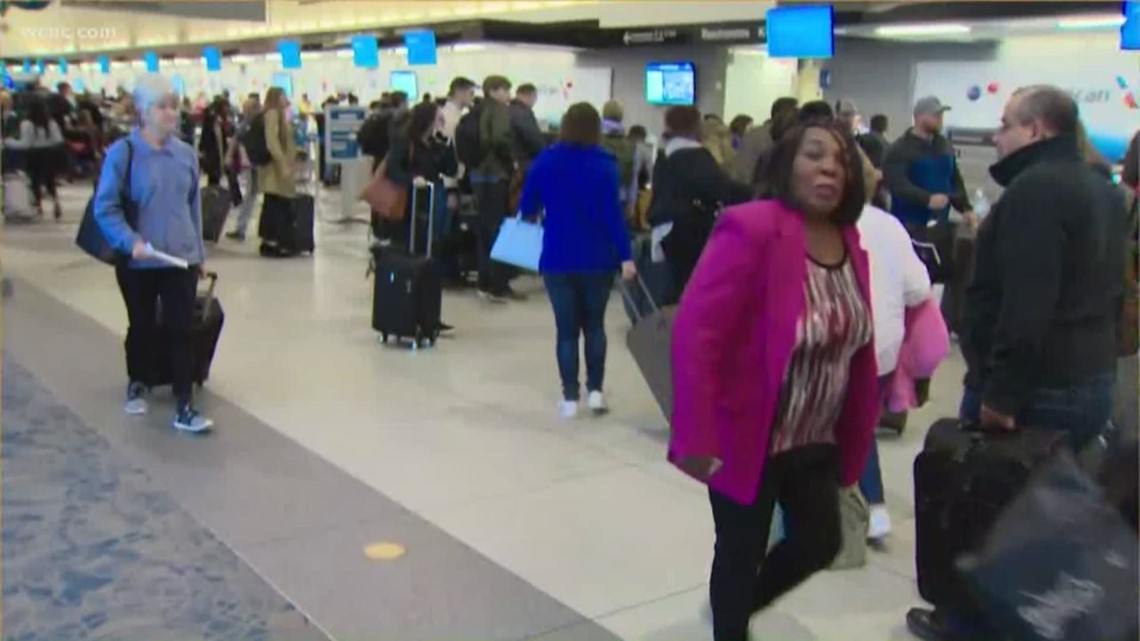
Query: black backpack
[[254, 142], [373, 135], [468, 145]]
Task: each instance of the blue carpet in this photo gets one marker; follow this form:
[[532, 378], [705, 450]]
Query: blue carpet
[[93, 548]]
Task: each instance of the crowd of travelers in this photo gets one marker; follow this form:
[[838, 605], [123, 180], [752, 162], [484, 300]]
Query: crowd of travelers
[[800, 256]]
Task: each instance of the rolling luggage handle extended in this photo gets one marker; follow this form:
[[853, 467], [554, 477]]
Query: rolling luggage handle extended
[[628, 296], [213, 278], [430, 219]]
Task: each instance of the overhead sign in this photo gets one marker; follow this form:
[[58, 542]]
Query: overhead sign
[[421, 47], [732, 33], [213, 58], [150, 58], [365, 51], [341, 127]]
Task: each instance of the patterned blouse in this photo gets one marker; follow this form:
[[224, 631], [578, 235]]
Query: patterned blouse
[[834, 325]]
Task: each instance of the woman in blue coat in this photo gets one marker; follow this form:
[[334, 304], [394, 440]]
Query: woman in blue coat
[[585, 243]]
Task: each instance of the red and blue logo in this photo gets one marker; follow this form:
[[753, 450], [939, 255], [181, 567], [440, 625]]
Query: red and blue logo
[[1129, 96]]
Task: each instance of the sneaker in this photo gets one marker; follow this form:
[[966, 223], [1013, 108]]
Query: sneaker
[[136, 404], [236, 235], [880, 524], [492, 298], [189, 420], [444, 328], [568, 409], [596, 401]]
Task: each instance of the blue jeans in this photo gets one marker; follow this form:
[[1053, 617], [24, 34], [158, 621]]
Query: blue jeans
[[579, 300], [1083, 410], [871, 482]]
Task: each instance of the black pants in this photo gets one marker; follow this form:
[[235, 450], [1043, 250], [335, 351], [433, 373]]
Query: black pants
[[142, 289], [43, 169], [683, 247], [746, 578], [493, 199]]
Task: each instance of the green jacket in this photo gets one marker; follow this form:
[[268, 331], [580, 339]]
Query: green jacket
[[495, 138]]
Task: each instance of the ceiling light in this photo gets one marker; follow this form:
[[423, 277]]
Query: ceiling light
[[932, 29], [1092, 22]]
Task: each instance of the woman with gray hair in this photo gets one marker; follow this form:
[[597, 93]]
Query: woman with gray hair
[[147, 202]]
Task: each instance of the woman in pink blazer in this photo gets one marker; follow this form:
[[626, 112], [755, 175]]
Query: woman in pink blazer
[[774, 376]]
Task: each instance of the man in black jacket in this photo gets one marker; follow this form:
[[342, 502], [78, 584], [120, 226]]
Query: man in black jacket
[[526, 136], [1039, 328]]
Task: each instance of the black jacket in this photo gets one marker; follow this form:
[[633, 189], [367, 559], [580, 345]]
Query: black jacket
[[431, 160], [527, 140], [689, 181], [1042, 309]]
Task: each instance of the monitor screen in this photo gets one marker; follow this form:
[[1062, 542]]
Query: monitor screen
[[404, 81], [800, 32], [283, 79], [670, 83]]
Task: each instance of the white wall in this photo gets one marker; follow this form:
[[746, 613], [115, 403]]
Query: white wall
[[628, 64], [753, 81], [886, 77]]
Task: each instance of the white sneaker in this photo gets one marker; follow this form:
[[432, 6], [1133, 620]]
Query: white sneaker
[[136, 404], [596, 401], [568, 410], [188, 420], [880, 525]]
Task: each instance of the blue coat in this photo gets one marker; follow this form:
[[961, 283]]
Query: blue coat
[[585, 229]]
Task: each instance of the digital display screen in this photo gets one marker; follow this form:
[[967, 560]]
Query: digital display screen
[[670, 83], [284, 80], [800, 32], [404, 81]]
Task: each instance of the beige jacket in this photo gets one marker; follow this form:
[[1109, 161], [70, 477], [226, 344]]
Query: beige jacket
[[276, 177]]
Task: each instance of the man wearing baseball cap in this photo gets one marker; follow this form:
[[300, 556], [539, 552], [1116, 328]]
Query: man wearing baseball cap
[[921, 172]]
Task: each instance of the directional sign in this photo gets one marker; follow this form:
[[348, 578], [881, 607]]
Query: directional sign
[[341, 127]]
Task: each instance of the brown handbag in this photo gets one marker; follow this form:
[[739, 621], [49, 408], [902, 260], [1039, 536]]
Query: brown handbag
[[386, 198]]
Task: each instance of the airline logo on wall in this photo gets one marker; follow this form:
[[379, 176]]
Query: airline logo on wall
[[1082, 95]]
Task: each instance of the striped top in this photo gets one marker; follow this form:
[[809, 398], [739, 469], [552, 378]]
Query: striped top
[[835, 323]]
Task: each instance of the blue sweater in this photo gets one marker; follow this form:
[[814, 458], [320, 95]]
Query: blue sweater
[[164, 187], [584, 229]]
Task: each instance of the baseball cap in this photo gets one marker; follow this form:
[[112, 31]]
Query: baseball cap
[[846, 106], [929, 105]]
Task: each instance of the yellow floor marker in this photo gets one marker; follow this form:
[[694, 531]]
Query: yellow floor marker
[[383, 551]]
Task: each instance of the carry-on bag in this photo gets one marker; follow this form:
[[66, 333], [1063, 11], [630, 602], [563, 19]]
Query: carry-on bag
[[216, 203], [408, 290], [387, 199], [1060, 564], [304, 221], [17, 197], [649, 340], [963, 478], [90, 237], [205, 330]]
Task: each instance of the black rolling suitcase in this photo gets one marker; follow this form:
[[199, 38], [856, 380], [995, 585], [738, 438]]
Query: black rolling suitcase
[[216, 203], [963, 478], [304, 215], [205, 331], [408, 290]]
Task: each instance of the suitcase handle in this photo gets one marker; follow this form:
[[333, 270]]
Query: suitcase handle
[[628, 296], [213, 278], [412, 219]]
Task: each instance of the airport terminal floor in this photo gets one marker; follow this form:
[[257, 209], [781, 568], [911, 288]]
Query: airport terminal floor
[[358, 491]]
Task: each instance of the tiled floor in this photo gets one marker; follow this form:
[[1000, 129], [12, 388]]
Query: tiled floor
[[464, 437]]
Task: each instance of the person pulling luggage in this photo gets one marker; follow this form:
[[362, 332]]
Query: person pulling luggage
[[420, 156], [147, 199]]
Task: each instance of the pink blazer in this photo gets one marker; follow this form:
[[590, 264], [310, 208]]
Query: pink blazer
[[925, 344], [733, 337]]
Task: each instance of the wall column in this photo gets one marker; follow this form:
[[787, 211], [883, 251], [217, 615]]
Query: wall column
[[807, 81]]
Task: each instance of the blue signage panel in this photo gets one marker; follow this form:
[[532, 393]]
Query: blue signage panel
[[420, 44], [365, 51], [150, 58], [290, 51], [104, 64], [27, 65], [1130, 30], [62, 66], [800, 31], [213, 58]]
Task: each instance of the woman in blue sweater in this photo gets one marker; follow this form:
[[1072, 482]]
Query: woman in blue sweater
[[158, 173], [585, 243]]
